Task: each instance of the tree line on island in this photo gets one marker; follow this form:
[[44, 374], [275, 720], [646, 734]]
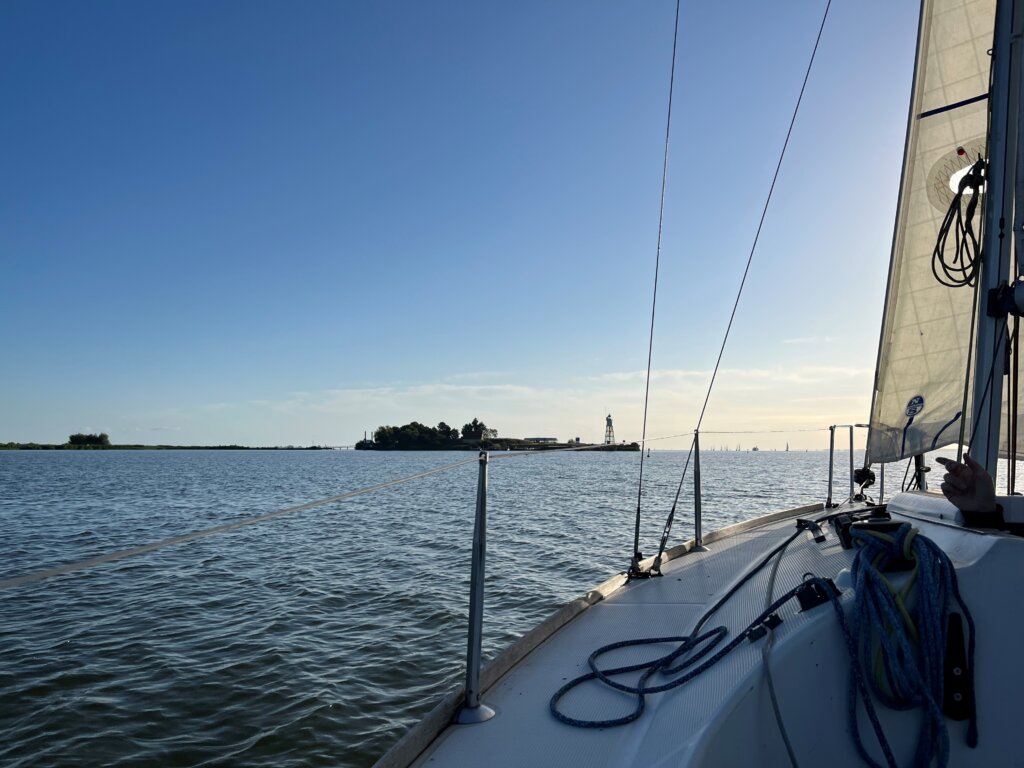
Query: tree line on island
[[419, 437], [414, 436], [78, 441], [474, 435]]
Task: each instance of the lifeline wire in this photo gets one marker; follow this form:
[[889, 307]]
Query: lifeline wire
[[635, 564], [739, 293], [600, 446], [110, 557], [761, 431]]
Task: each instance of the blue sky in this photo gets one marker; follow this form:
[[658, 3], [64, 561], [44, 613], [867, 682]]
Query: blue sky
[[276, 223]]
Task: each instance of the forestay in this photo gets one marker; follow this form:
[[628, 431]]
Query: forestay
[[923, 354]]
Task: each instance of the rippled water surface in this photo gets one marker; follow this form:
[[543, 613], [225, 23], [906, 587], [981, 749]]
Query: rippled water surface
[[316, 638]]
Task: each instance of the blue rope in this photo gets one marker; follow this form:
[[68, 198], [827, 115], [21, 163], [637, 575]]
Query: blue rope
[[897, 638]]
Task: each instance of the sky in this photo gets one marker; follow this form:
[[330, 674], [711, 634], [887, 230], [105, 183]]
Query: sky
[[273, 223]]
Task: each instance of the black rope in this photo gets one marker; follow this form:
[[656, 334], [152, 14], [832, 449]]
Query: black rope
[[634, 568], [962, 268], [739, 293]]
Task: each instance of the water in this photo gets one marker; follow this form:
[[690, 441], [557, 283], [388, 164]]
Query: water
[[318, 638]]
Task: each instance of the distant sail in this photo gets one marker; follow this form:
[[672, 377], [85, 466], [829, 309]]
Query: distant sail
[[922, 358]]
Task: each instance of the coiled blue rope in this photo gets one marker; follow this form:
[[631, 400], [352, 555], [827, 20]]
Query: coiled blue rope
[[679, 666], [897, 637], [689, 650]]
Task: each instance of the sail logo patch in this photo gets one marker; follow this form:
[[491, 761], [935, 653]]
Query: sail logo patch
[[915, 406]]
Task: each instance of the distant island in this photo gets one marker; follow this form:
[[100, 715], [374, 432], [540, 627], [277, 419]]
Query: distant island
[[474, 436], [101, 442]]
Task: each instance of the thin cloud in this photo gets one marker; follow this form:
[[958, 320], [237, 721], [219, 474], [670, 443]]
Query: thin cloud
[[807, 374], [778, 397], [477, 376]]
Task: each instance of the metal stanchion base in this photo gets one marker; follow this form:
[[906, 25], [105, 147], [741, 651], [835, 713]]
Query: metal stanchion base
[[478, 714], [699, 548]]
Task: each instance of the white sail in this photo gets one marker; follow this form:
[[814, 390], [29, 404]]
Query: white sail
[[918, 400]]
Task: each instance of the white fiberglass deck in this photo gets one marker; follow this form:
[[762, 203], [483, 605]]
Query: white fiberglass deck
[[724, 716]]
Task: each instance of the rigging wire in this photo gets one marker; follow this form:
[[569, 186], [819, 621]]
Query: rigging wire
[[903, 486], [760, 431], [1000, 222], [967, 374], [634, 567], [757, 235], [988, 383], [1012, 411]]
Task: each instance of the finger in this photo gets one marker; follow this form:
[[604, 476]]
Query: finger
[[975, 466], [952, 466]]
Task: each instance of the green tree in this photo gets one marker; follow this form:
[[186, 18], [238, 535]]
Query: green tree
[[474, 430], [82, 439], [385, 437]]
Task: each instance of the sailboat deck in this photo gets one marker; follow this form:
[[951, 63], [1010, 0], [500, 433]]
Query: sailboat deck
[[724, 716], [667, 606]]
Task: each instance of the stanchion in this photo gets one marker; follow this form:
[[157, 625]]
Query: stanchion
[[473, 710]]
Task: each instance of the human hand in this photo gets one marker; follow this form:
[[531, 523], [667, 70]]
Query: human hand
[[968, 486]]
